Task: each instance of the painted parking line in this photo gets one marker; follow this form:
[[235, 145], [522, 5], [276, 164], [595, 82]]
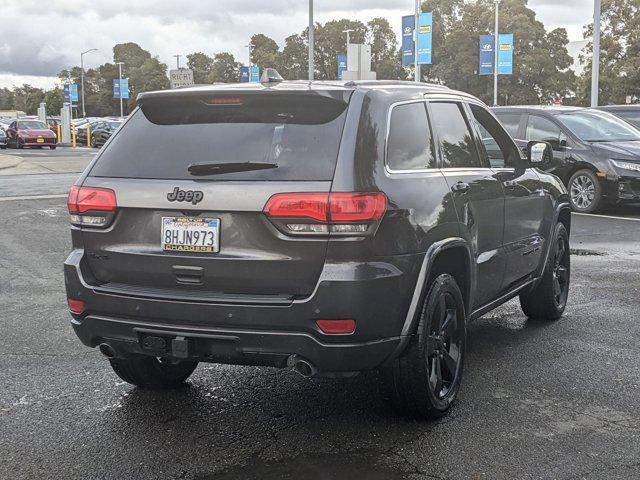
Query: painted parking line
[[33, 197], [607, 216]]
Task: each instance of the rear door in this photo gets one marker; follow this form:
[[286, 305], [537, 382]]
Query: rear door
[[476, 193], [181, 229]]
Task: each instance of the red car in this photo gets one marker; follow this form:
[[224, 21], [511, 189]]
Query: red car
[[30, 133]]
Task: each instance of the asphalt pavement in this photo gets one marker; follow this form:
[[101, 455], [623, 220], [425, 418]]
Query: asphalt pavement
[[539, 400]]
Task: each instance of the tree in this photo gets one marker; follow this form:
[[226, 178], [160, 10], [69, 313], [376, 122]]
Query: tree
[[265, 52], [295, 57], [27, 99], [225, 69], [54, 99], [384, 50], [619, 54], [201, 64]]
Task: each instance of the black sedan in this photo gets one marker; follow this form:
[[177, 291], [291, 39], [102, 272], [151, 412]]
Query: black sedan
[[101, 132], [630, 113], [3, 139]]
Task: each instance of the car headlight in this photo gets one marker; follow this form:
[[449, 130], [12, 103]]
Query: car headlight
[[626, 165]]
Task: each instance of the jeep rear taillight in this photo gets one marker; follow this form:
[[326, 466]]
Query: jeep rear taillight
[[91, 206], [323, 213]]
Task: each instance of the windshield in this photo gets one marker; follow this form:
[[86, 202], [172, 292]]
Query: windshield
[[593, 126], [31, 125]]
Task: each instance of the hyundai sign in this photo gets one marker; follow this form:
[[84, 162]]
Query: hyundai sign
[[342, 65], [244, 74], [505, 54], [425, 27], [408, 45], [121, 87]]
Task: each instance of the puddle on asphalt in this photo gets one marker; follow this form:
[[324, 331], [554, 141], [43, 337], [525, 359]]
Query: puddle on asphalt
[[325, 467]]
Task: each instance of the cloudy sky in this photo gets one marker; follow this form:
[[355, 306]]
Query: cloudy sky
[[42, 37]]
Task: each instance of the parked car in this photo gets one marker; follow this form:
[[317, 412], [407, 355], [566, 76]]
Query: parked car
[[81, 130], [630, 113], [332, 228], [102, 131], [53, 123], [30, 133], [3, 139], [595, 153]]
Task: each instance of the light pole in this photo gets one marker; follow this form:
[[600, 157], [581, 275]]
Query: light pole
[[595, 63], [84, 114], [311, 58], [120, 85], [495, 56], [250, 46], [348, 31], [177, 57], [415, 41]]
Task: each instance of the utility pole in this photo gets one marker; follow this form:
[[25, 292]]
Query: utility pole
[[84, 114], [595, 63], [311, 58], [495, 56], [120, 86], [250, 46], [177, 57], [415, 41], [348, 31]]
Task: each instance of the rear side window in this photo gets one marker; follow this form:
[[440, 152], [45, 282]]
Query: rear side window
[[300, 134], [410, 144], [542, 129], [631, 117], [456, 142], [510, 122]]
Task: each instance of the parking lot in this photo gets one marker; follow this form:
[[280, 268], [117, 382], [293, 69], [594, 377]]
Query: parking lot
[[557, 401]]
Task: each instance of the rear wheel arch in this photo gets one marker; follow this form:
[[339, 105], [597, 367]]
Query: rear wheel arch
[[454, 259]]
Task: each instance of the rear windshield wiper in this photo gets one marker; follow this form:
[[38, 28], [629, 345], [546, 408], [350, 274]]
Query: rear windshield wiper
[[229, 167]]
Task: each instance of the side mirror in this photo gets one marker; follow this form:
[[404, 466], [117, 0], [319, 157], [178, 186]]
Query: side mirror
[[539, 153]]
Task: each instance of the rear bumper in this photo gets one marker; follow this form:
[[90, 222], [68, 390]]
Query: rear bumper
[[375, 294]]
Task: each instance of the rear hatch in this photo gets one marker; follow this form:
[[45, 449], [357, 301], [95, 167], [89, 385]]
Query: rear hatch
[[191, 175]]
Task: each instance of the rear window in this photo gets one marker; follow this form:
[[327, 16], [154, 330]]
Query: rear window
[[510, 122], [299, 133]]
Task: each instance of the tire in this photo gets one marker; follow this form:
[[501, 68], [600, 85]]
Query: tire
[[153, 373], [585, 191], [411, 384], [93, 142], [19, 145], [52, 147], [548, 299]]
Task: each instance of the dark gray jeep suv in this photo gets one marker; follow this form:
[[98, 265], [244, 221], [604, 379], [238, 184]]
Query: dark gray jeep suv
[[330, 227]]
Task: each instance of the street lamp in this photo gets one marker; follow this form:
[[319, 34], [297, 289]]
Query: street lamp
[[177, 57], [311, 58], [595, 62], [84, 114], [415, 40], [495, 56], [120, 86], [250, 46]]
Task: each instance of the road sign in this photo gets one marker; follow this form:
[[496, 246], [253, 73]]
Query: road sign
[[255, 74], [408, 44], [505, 54], [342, 65], [125, 88], [181, 77], [486, 54], [70, 92], [425, 27]]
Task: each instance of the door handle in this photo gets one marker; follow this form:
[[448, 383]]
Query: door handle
[[460, 187]]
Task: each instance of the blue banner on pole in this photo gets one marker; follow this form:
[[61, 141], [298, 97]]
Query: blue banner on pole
[[342, 65], [70, 92], [505, 54], [121, 85], [425, 27], [244, 74], [255, 74], [408, 44], [486, 54]]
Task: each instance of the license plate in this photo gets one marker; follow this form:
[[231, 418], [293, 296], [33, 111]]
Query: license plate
[[40, 140], [185, 234]]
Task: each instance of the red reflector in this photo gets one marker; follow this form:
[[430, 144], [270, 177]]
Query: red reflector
[[336, 327], [334, 207], [356, 207], [75, 306], [298, 205], [86, 199]]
